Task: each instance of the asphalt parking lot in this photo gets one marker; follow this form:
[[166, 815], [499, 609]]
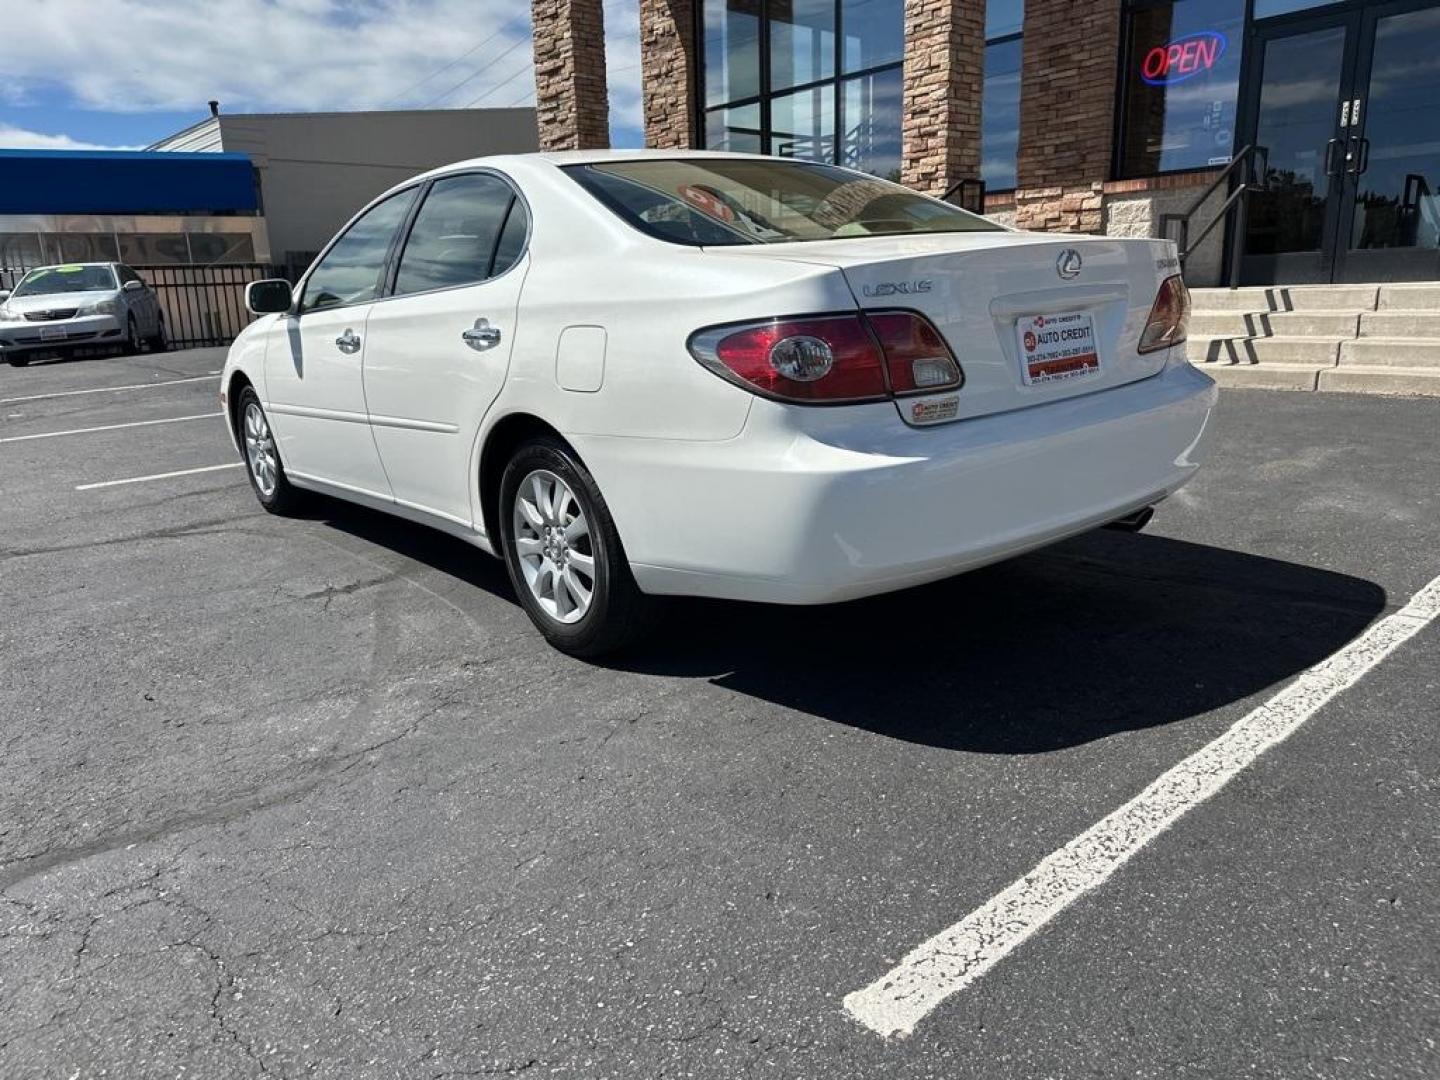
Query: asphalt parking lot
[[310, 798]]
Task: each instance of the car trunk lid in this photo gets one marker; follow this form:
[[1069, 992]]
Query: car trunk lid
[[1031, 318]]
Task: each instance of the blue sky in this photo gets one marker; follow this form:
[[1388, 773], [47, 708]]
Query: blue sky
[[77, 74]]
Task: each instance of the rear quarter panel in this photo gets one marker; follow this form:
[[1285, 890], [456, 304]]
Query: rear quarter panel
[[590, 269]]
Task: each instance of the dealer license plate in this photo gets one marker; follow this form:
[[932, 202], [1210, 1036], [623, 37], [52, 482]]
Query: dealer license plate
[[1057, 347], [52, 333]]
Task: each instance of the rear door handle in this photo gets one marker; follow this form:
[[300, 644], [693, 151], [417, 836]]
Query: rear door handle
[[481, 336], [348, 342]]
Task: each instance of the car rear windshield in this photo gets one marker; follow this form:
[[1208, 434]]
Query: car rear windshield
[[704, 201], [66, 279]]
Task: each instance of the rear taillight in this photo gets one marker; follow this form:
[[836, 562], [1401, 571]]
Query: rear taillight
[[824, 359], [917, 357], [1168, 316], [831, 359]]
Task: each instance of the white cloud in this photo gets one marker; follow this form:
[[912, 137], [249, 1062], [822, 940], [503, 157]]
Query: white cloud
[[14, 138], [258, 55]]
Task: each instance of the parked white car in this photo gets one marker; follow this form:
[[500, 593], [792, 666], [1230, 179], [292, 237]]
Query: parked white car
[[79, 305], [636, 374]]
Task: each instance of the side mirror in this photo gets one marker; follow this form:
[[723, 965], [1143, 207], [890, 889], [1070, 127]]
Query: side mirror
[[4, 295], [269, 296], [133, 286]]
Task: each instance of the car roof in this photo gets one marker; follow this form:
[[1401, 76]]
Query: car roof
[[561, 158]]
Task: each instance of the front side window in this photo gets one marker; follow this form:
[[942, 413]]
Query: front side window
[[350, 271], [1182, 79], [66, 279], [726, 202], [457, 234]]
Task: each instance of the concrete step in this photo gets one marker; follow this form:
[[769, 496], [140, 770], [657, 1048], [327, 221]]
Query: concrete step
[[1396, 380], [1266, 376], [1316, 352], [1400, 324], [1417, 297], [1417, 353], [1321, 298], [1273, 324]]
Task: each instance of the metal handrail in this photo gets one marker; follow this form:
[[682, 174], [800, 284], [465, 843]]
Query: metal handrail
[[961, 185], [1237, 202]]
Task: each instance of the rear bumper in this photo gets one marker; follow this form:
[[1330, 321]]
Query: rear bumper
[[810, 506]]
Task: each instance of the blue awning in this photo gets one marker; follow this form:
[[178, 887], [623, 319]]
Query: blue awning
[[119, 182]]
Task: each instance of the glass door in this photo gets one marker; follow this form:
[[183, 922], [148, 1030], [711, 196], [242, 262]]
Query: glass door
[[1391, 228], [1298, 109], [1345, 107]]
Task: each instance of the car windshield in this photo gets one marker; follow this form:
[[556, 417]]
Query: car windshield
[[66, 279], [704, 201]]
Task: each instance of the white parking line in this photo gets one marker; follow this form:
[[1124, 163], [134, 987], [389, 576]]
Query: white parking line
[[158, 476], [107, 389], [956, 957], [110, 427]]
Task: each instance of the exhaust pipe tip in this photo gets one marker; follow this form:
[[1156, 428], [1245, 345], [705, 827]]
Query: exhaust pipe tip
[[1133, 522]]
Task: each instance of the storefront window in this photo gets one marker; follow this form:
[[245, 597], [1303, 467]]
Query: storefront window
[[872, 143], [1000, 103], [732, 50], [1181, 80], [829, 89], [802, 42], [1003, 18], [1266, 8], [874, 33]]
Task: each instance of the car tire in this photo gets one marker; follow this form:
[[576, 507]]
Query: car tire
[[160, 342], [557, 536], [262, 457], [131, 344], [17, 361]]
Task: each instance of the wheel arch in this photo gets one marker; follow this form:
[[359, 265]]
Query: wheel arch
[[505, 435], [233, 389]]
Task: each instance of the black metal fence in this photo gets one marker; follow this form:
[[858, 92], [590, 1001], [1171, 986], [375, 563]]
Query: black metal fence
[[203, 305]]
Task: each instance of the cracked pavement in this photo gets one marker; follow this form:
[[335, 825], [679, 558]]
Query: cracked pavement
[[308, 798]]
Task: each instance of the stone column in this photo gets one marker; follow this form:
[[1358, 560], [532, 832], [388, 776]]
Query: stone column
[[1068, 86], [944, 77], [572, 105], [669, 72]]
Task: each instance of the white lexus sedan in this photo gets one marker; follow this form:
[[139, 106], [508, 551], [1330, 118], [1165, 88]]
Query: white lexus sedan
[[639, 374]]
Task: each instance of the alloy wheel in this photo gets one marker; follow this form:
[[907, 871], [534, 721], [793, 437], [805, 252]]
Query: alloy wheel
[[260, 450], [554, 546]]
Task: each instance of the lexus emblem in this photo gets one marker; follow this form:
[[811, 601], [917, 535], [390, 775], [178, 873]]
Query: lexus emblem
[[1068, 264]]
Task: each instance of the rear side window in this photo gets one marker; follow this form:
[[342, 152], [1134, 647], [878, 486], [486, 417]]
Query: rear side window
[[469, 228], [350, 271]]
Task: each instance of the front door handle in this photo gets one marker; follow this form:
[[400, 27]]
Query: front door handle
[[348, 342], [481, 336]]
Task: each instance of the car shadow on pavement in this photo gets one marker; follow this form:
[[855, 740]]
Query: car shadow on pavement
[[1104, 633]]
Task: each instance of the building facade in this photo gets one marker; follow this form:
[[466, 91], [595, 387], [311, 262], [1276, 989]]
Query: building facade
[[137, 208], [1098, 116], [315, 170]]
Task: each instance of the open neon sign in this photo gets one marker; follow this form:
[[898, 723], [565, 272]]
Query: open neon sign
[[1184, 58]]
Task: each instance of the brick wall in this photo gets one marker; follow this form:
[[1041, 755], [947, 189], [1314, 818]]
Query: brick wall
[[944, 75], [1067, 112], [572, 107], [668, 72]]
